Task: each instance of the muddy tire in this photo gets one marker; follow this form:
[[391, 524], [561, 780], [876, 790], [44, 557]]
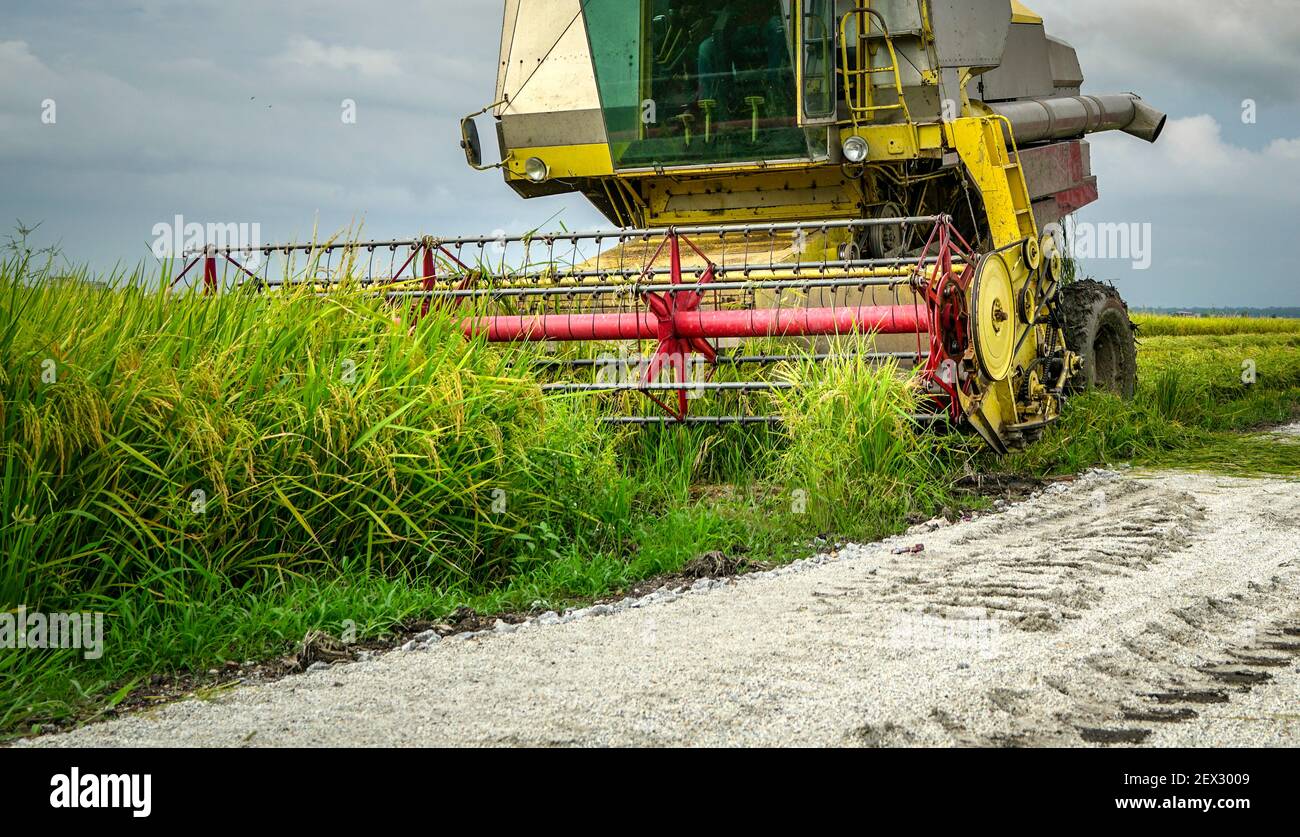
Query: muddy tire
[[1098, 329]]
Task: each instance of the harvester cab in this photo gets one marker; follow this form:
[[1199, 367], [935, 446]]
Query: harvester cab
[[666, 112]]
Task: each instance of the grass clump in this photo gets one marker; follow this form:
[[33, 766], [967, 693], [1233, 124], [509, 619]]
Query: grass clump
[[156, 443], [1196, 398], [854, 449], [164, 454]]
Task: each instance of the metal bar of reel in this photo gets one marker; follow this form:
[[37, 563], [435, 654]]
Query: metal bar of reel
[[701, 421], [599, 290], [597, 235], [678, 386], [757, 323], [879, 268], [651, 421], [739, 360]]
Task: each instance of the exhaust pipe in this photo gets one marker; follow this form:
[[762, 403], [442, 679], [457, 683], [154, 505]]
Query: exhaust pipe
[[1045, 120]]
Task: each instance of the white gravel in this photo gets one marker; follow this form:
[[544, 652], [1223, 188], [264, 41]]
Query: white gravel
[[1291, 432], [1038, 625]]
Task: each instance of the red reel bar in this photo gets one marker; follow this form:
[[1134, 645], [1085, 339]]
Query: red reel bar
[[707, 325]]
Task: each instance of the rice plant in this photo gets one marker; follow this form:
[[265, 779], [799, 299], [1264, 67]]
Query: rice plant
[[852, 445]]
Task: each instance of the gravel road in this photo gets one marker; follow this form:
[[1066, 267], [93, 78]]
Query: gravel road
[[1127, 609]]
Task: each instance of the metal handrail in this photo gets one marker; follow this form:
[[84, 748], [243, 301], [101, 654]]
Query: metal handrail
[[862, 13]]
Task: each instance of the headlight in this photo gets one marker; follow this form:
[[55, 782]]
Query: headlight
[[855, 149], [536, 169]]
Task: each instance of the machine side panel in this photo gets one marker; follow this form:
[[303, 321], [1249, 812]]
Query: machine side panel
[[546, 76], [970, 33], [1025, 72], [1067, 74], [509, 24]]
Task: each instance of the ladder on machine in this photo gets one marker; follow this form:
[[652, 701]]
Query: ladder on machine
[[858, 70]]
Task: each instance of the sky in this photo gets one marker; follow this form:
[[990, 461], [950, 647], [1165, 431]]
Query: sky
[[118, 115]]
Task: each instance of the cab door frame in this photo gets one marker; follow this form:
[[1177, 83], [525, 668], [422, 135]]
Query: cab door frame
[[807, 15]]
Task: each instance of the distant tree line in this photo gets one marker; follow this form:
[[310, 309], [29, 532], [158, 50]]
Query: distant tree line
[[1284, 313]]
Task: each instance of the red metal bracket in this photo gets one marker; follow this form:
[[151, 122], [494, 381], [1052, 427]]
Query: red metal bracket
[[673, 347], [944, 291]]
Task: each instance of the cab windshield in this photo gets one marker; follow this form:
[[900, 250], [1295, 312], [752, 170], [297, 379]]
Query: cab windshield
[[686, 82]]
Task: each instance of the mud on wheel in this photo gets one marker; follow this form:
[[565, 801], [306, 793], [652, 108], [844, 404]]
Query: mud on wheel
[[1098, 329]]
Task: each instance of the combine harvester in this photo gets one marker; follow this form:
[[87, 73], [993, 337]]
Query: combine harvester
[[784, 176]]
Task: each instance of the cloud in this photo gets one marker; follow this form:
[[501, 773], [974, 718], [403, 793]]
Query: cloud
[[1219, 212], [22, 75], [233, 126], [1285, 149], [1239, 48], [1194, 159], [311, 54], [17, 55]]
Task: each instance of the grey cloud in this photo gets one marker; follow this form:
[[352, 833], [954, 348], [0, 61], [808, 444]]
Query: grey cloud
[[229, 111], [1238, 48]]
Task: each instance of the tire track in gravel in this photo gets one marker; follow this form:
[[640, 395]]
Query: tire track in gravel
[[1114, 611], [1004, 568]]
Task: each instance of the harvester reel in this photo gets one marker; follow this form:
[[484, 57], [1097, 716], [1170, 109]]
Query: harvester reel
[[993, 318], [698, 309]]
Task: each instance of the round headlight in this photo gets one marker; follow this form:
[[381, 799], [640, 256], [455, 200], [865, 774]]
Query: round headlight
[[855, 149], [536, 169]]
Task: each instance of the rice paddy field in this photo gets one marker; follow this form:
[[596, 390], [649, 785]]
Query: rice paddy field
[[1168, 326], [222, 477]]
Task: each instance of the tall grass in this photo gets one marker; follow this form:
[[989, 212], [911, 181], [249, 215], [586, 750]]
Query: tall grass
[[157, 442], [853, 447], [1194, 400], [1236, 382], [163, 453]]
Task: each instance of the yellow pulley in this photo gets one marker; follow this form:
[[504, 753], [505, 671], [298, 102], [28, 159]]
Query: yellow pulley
[[1033, 253], [993, 318], [1052, 256]]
